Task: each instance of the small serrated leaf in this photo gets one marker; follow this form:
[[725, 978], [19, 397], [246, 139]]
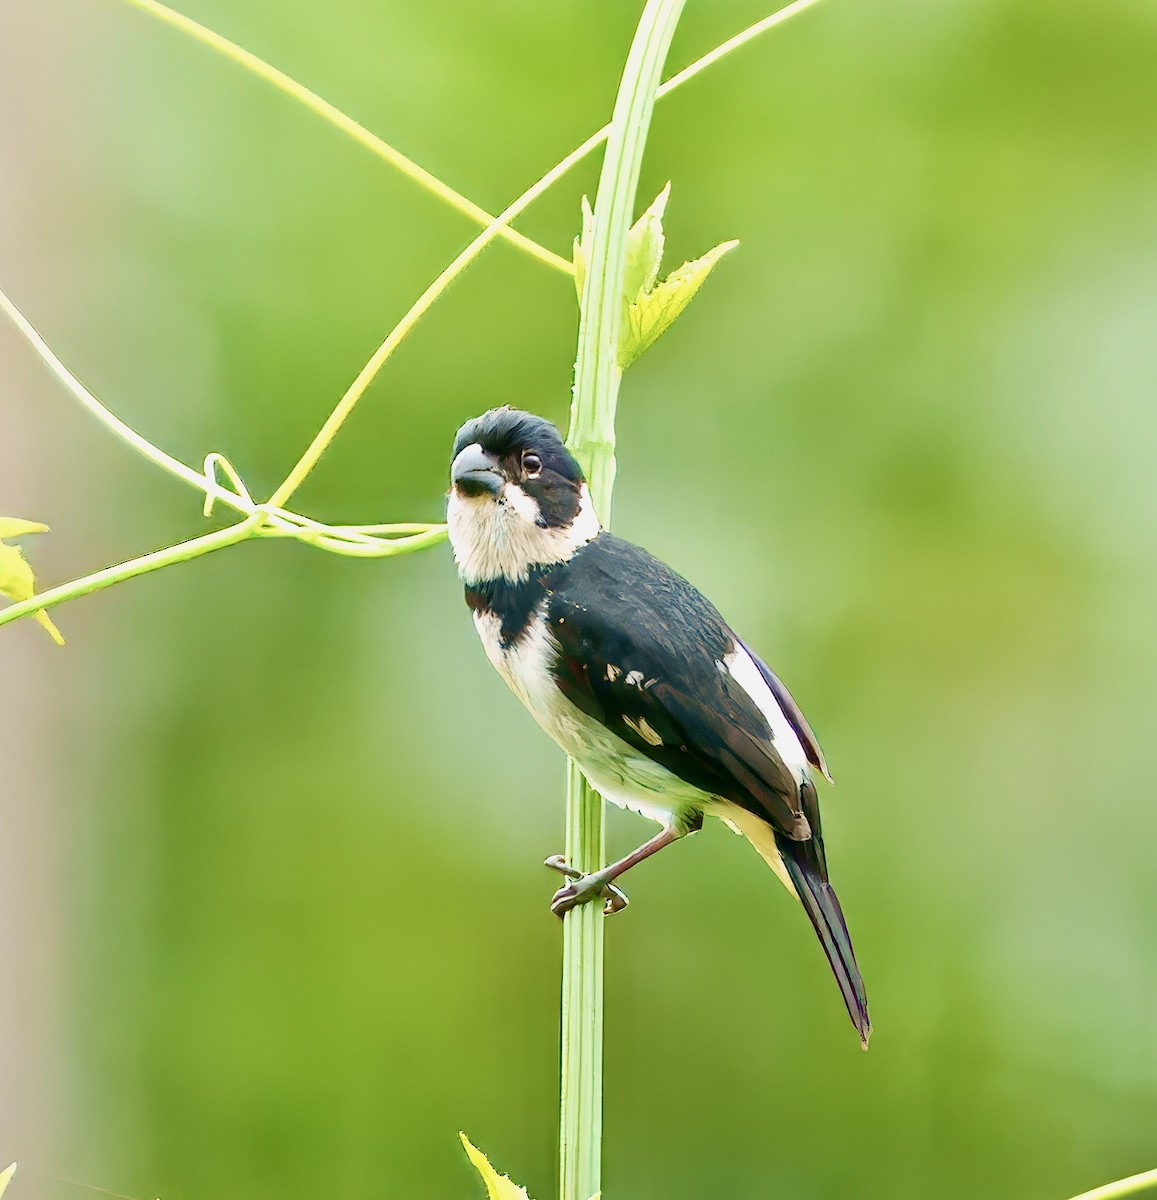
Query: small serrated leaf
[[645, 249], [6, 1178], [582, 247], [498, 1187], [655, 311], [17, 581]]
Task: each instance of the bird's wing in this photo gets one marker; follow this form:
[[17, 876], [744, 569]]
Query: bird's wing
[[795, 717], [647, 655]]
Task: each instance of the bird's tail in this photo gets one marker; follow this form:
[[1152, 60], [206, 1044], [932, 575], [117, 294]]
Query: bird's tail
[[804, 864]]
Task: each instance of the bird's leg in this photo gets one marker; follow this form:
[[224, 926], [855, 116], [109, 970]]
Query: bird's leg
[[600, 884]]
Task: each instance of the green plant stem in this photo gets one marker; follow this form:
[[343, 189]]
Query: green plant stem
[[733, 43], [328, 112], [272, 519], [497, 227], [356, 540], [290, 87], [256, 526], [580, 1137], [418, 309], [592, 438], [99, 580], [431, 535], [597, 371], [109, 420], [1122, 1187]]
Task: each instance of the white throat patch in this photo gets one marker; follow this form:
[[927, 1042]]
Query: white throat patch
[[497, 537]]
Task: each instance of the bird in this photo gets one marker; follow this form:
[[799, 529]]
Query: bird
[[635, 674]]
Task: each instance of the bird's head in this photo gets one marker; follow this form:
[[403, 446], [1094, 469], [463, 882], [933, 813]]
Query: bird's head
[[517, 497]]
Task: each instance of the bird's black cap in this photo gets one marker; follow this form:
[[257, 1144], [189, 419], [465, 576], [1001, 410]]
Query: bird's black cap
[[507, 432]]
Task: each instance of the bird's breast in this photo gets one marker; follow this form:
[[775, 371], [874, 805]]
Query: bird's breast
[[524, 663], [617, 771]]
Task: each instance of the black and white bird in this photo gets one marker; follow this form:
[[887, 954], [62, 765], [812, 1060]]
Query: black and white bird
[[634, 674]]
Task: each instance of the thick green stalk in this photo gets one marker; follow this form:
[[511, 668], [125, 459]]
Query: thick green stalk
[[592, 438], [597, 373]]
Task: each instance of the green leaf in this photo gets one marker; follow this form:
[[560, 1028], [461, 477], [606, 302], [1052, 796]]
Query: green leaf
[[11, 527], [648, 310], [498, 1187], [653, 313], [17, 581], [6, 1178], [645, 249], [582, 248], [16, 578]]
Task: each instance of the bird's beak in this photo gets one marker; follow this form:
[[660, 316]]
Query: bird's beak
[[475, 473]]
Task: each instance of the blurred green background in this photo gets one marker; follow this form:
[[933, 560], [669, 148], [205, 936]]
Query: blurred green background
[[272, 912]]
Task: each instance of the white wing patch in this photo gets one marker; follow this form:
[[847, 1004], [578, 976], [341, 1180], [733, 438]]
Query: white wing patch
[[645, 730], [741, 667]]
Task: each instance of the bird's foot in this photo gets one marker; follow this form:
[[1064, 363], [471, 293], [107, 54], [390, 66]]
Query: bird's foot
[[583, 888]]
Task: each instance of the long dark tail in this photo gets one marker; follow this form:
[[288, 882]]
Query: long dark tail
[[804, 864]]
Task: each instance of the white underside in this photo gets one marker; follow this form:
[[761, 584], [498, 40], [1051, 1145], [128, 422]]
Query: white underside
[[614, 768]]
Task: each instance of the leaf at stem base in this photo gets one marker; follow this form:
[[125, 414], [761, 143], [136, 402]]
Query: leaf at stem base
[[648, 308], [655, 310], [498, 1187]]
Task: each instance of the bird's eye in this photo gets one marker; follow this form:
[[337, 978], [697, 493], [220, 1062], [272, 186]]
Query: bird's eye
[[531, 465]]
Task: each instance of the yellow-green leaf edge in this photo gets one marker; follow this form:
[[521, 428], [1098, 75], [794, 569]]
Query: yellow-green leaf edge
[[498, 1187], [17, 580]]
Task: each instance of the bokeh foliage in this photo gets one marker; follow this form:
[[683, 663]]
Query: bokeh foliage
[[905, 441]]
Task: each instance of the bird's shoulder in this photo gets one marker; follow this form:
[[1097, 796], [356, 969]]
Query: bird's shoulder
[[619, 590]]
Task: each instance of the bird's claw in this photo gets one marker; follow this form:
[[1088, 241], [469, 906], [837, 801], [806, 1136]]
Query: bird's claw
[[583, 888], [557, 862]]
